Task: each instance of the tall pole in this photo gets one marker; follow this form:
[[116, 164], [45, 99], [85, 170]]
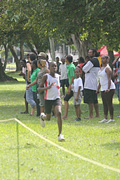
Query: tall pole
[[17, 131]]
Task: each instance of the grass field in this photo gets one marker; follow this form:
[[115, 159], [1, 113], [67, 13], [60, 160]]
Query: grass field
[[11, 67], [91, 150]]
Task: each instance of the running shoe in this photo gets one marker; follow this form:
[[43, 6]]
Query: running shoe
[[42, 119], [103, 121], [111, 120], [61, 138], [78, 119]]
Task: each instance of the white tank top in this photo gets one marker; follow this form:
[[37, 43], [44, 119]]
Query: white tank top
[[104, 80], [54, 92]]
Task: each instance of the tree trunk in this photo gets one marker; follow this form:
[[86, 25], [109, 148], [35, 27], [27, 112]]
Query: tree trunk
[[31, 48], [111, 55], [52, 48], [6, 55], [15, 58], [64, 49], [21, 50], [81, 46], [3, 76]]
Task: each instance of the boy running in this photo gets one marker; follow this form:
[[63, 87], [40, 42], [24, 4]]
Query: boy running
[[51, 85]]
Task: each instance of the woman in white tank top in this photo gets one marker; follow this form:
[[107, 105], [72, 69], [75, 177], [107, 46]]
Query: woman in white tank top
[[107, 89]]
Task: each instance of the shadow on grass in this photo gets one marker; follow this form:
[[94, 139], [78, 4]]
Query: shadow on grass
[[12, 82], [112, 146], [26, 146]]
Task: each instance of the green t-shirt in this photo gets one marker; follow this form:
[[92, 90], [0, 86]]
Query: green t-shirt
[[70, 71], [33, 78]]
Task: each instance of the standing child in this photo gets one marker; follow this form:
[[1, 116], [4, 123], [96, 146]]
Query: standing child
[[78, 88]]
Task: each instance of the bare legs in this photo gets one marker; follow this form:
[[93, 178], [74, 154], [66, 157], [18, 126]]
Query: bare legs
[[41, 109], [33, 110], [59, 121], [58, 113], [78, 111], [66, 109], [91, 110]]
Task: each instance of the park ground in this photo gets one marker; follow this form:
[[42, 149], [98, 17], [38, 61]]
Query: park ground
[[91, 151]]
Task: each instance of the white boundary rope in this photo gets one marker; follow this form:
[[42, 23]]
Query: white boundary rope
[[7, 120], [63, 149]]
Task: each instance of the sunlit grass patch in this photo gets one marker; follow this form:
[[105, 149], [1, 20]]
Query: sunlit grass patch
[[42, 161]]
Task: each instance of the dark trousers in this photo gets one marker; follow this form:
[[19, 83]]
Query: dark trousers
[[107, 98], [37, 103]]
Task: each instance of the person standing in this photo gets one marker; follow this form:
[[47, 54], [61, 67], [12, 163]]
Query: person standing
[[116, 75], [63, 76], [78, 88], [43, 71], [81, 62], [71, 75], [35, 70], [51, 85], [91, 69], [29, 93], [58, 64], [23, 73], [107, 89], [41, 63]]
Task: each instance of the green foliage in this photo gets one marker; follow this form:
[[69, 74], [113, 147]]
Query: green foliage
[[36, 21], [16, 25]]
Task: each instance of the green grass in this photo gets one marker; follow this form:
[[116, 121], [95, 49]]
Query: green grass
[[11, 66], [40, 160]]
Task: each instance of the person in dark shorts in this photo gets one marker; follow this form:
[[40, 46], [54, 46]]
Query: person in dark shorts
[[71, 74], [63, 76], [91, 69], [51, 85]]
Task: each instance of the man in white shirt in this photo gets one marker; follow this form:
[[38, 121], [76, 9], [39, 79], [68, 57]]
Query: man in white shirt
[[63, 77], [91, 69]]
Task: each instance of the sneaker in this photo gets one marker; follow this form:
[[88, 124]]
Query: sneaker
[[111, 120], [24, 112], [61, 138], [78, 119], [103, 121], [42, 119]]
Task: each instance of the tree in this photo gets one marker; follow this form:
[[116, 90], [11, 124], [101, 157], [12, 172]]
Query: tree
[[104, 15], [16, 28], [3, 76]]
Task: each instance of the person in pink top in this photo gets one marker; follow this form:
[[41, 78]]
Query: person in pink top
[[81, 62]]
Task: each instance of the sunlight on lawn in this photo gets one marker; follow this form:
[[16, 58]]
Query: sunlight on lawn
[[41, 161]]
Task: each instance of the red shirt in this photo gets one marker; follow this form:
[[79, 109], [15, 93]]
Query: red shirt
[[80, 66]]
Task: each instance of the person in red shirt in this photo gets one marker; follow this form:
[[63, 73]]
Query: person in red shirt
[[81, 62]]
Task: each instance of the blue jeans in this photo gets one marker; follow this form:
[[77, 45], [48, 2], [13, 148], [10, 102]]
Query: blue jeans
[[118, 90], [29, 97], [37, 103]]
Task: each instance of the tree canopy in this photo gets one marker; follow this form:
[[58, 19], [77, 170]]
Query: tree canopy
[[33, 22]]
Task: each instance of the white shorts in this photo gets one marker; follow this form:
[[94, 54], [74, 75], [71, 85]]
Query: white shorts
[[79, 98]]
